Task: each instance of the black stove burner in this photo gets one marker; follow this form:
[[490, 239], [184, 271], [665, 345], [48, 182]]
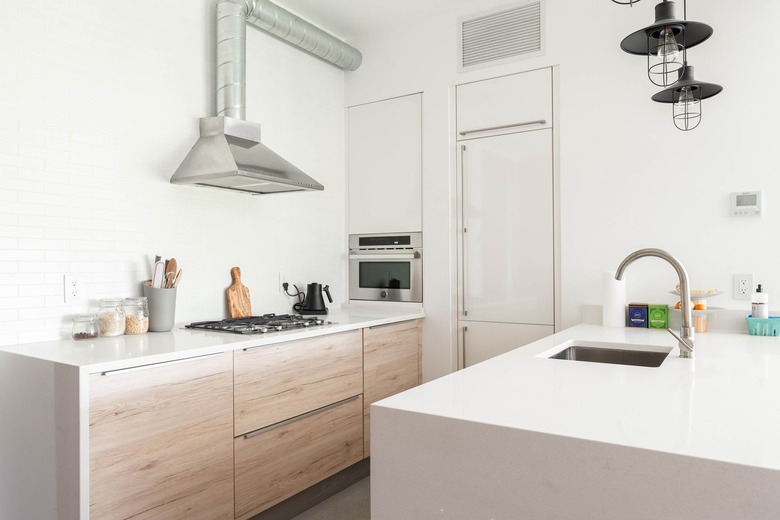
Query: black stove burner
[[259, 324]]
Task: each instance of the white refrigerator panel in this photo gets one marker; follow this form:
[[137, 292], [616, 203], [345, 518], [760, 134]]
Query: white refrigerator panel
[[480, 340], [507, 256]]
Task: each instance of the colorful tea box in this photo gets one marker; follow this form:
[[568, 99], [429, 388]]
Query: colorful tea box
[[658, 316], [637, 315]]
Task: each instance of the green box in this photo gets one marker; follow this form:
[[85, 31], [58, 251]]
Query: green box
[[658, 316]]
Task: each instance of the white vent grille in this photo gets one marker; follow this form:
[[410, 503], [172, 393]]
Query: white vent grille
[[501, 35]]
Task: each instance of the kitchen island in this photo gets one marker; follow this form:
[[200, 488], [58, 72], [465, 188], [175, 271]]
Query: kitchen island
[[194, 424], [522, 436]]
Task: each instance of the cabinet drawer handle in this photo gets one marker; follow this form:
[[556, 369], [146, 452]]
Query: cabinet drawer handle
[[388, 324], [144, 367], [274, 426], [502, 127]]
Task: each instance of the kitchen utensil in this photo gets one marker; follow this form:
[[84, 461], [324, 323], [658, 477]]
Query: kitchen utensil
[[237, 296], [170, 273], [176, 279], [313, 303], [158, 273]]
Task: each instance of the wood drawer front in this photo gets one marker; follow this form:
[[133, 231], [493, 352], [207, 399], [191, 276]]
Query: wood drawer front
[[280, 462], [281, 381], [391, 364], [160, 441]]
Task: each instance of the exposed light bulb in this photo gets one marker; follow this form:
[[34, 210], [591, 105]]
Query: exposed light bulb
[[686, 100], [668, 50]]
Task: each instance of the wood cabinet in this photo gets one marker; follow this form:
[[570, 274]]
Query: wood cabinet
[[384, 166], [298, 410], [277, 462], [160, 441], [517, 102], [391, 364]]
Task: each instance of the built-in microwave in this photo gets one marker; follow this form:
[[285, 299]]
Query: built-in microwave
[[386, 267]]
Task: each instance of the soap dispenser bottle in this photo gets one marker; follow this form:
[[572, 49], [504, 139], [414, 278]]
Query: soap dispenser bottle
[[760, 303]]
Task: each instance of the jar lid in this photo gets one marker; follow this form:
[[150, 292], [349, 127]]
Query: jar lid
[[111, 301], [140, 299], [85, 317]]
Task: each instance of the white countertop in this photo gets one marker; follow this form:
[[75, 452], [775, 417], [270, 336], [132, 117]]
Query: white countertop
[[155, 347], [723, 405]]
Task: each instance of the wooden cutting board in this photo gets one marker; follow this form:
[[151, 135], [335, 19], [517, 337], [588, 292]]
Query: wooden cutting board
[[237, 295]]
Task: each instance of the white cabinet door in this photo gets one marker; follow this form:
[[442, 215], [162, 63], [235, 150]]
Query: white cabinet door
[[517, 102], [507, 256], [480, 340], [384, 162]]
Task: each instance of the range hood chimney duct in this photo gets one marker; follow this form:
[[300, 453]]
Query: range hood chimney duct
[[229, 153]]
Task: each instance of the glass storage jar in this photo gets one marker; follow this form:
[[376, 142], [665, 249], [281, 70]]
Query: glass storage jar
[[136, 315], [111, 317], [85, 326]]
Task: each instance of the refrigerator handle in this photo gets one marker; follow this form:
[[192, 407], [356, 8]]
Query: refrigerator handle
[[463, 230], [463, 350]]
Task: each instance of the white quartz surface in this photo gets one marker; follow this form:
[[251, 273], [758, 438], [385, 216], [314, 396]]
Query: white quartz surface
[[155, 347], [723, 405]]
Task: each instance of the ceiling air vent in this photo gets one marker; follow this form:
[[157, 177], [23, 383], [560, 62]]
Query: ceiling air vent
[[500, 35]]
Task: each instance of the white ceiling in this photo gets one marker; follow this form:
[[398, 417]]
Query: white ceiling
[[350, 18]]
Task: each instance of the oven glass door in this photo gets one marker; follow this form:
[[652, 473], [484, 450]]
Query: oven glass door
[[385, 275]]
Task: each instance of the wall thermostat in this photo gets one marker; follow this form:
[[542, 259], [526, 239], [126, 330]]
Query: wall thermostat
[[746, 203]]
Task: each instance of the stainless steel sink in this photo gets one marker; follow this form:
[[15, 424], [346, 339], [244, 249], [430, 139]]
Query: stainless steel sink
[[613, 355]]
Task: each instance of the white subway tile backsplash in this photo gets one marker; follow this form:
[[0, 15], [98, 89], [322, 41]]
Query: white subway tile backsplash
[[19, 302]]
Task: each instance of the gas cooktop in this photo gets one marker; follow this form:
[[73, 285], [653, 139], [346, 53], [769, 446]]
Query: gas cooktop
[[260, 324]]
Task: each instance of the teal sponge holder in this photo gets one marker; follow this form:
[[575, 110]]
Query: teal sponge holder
[[763, 326]]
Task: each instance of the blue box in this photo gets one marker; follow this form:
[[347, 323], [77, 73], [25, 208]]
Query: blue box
[[637, 315]]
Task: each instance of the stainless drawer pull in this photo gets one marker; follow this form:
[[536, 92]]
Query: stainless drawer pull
[[144, 367], [388, 324], [502, 127], [385, 256], [274, 426]]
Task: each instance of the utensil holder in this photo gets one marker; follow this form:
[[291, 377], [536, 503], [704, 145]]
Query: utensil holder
[[162, 308]]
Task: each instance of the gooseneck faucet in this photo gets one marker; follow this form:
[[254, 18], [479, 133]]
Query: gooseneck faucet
[[685, 339]]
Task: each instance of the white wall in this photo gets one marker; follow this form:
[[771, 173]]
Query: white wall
[[629, 179], [99, 103]]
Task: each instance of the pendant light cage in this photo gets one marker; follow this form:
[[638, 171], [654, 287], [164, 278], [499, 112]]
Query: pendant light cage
[[666, 54], [687, 108], [626, 2]]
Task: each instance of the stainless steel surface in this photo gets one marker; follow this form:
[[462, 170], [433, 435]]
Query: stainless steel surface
[[641, 358], [502, 127], [229, 155], [386, 248], [260, 324], [685, 339]]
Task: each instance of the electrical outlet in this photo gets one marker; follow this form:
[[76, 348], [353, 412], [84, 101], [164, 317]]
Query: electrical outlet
[[74, 289], [282, 281], [743, 286]]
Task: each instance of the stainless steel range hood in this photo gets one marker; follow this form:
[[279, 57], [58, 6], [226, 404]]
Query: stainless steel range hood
[[229, 153]]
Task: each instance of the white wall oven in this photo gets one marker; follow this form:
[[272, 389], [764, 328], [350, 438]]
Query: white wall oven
[[386, 267]]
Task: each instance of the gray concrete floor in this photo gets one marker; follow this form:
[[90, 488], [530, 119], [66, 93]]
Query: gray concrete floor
[[354, 503]]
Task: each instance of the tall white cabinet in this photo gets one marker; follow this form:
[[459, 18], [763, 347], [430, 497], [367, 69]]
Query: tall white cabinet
[[384, 165], [507, 214]]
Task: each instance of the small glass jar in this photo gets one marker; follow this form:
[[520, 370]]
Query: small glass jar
[[111, 317], [136, 315], [85, 326]]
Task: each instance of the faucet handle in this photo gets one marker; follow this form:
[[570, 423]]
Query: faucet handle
[[685, 344]]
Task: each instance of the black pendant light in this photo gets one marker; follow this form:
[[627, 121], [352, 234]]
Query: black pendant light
[[664, 43], [686, 97]]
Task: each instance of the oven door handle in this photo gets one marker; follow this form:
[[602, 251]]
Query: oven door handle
[[385, 256]]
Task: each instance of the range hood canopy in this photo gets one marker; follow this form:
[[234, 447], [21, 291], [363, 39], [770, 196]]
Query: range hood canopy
[[229, 154]]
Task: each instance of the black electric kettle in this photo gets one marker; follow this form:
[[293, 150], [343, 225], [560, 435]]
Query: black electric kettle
[[313, 302]]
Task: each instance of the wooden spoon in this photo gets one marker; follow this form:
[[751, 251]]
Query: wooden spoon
[[170, 273]]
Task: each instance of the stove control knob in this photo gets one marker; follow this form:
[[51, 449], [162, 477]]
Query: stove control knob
[[383, 294]]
